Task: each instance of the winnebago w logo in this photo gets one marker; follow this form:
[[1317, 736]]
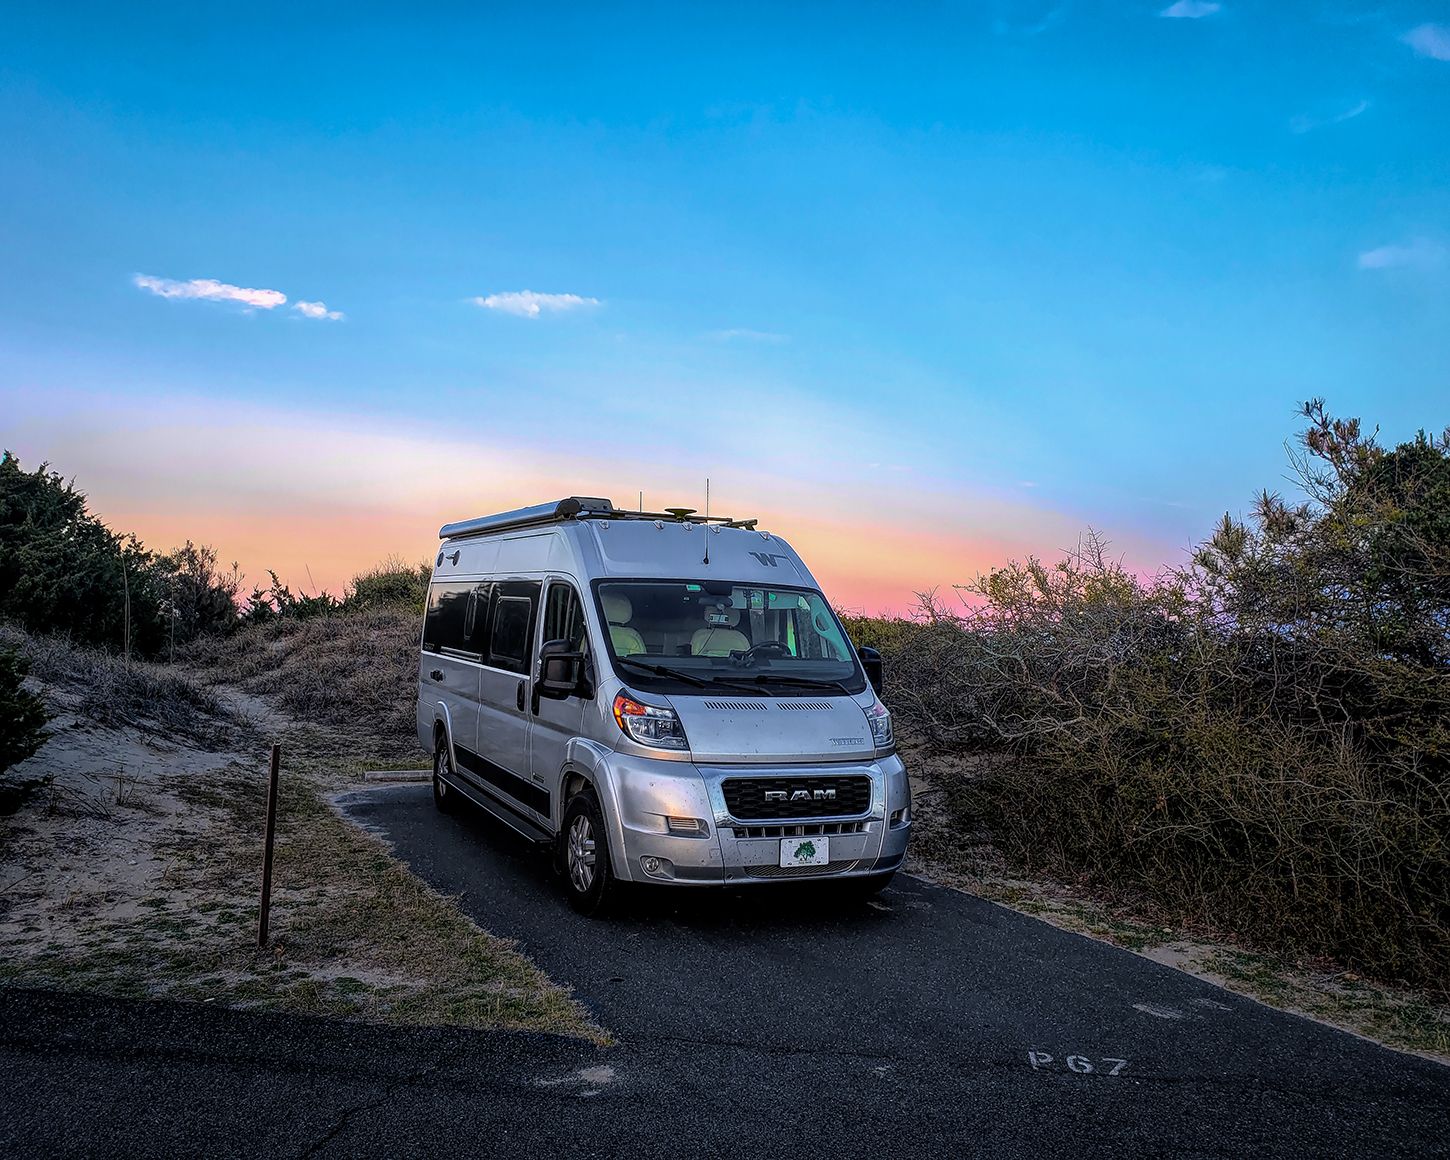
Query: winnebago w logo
[[769, 559]]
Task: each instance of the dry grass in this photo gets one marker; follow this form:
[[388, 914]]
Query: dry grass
[[356, 670], [108, 690]]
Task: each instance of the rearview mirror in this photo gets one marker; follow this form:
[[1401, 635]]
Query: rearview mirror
[[871, 662], [561, 670]]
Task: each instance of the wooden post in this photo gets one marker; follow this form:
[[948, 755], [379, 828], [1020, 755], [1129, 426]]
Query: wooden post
[[267, 849]]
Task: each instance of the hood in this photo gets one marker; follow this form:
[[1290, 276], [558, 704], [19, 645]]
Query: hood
[[727, 729]]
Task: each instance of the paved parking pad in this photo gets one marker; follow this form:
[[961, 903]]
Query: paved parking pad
[[769, 1023]]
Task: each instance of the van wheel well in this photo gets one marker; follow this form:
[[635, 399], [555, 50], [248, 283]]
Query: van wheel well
[[575, 783], [440, 733]]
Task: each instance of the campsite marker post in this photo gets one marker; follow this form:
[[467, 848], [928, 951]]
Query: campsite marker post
[[267, 851]]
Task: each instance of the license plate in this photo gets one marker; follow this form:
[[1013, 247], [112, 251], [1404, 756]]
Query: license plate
[[813, 851]]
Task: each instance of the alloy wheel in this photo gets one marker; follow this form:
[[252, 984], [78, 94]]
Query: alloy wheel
[[581, 854]]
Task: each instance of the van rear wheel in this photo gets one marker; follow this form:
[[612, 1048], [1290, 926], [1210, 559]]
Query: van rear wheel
[[445, 797], [584, 855]]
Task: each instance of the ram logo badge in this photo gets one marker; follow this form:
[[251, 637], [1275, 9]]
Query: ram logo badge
[[800, 795]]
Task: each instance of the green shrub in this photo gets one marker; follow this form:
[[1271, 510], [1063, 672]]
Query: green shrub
[[63, 570], [22, 713], [278, 602], [392, 584]]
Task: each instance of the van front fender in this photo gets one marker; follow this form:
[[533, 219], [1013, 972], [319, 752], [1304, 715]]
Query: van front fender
[[590, 760]]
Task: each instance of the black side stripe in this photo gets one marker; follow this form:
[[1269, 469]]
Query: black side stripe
[[521, 789]]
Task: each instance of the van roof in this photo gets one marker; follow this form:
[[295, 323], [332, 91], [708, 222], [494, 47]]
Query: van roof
[[575, 507]]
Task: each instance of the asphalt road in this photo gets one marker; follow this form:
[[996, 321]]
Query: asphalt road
[[761, 1022]]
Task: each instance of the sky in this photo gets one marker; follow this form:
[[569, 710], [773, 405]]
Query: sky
[[923, 286]]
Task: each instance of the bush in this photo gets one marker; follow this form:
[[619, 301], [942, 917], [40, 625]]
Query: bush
[[392, 584], [109, 690], [1260, 741], [22, 713], [62, 570], [279, 603]]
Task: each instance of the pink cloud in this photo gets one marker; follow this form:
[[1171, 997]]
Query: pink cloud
[[211, 290]]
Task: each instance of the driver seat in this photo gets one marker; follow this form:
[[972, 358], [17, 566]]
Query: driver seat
[[716, 640], [617, 611]]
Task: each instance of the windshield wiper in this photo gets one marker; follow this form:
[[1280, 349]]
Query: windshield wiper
[[804, 682], [662, 671]]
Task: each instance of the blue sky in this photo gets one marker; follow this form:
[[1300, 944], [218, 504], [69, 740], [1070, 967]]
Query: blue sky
[[1036, 265]]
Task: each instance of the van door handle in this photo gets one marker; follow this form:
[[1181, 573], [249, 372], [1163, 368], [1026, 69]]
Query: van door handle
[[520, 698], [436, 674]]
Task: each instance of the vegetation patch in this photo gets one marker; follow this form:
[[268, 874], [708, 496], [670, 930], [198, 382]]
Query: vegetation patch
[[1257, 744], [136, 872]]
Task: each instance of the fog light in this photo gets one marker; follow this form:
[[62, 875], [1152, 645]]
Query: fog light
[[657, 867], [688, 827]]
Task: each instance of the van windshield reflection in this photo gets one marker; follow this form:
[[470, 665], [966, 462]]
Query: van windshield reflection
[[739, 635]]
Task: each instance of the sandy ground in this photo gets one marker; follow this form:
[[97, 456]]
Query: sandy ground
[[134, 870], [93, 842]]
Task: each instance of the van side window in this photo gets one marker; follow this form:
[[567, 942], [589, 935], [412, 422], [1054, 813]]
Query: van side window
[[513, 621], [444, 626], [564, 616]]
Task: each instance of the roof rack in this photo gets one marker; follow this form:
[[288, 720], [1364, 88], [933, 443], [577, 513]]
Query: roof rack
[[577, 507]]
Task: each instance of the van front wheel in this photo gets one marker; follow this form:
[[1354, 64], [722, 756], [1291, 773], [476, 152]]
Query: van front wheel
[[585, 855]]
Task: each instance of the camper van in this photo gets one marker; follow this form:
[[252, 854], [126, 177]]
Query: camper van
[[661, 698]]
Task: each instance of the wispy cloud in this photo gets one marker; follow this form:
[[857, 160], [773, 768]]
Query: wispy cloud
[[1432, 40], [744, 334], [211, 290], [1305, 123], [1422, 253], [528, 304], [1190, 9], [1015, 23], [317, 310]]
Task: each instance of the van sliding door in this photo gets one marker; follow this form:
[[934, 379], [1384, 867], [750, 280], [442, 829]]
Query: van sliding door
[[504, 692]]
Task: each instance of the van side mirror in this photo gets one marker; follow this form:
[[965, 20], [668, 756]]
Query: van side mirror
[[871, 662], [561, 671]]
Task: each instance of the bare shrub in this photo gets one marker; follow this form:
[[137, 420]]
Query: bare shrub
[[111, 690], [1259, 742]]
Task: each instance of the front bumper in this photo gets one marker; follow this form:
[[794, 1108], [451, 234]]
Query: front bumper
[[741, 851]]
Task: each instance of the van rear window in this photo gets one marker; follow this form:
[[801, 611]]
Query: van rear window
[[448, 620]]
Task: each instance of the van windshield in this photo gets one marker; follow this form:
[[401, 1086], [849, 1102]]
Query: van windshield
[[781, 639]]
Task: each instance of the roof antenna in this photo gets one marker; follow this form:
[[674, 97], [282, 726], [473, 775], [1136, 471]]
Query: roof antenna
[[707, 520], [641, 502]]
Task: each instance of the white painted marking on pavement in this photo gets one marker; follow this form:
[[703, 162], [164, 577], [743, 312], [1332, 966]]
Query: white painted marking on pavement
[[1079, 1064], [1159, 1012]]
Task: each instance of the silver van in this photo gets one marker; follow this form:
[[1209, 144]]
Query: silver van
[[661, 697]]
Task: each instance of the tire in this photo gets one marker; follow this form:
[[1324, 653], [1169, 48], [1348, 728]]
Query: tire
[[445, 797], [584, 855]]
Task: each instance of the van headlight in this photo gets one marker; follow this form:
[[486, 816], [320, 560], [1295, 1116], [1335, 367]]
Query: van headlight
[[880, 718], [648, 725]]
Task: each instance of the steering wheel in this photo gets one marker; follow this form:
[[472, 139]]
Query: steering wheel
[[766, 648]]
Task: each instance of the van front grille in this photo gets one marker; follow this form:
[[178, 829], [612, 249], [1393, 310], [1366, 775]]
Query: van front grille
[[796, 797]]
